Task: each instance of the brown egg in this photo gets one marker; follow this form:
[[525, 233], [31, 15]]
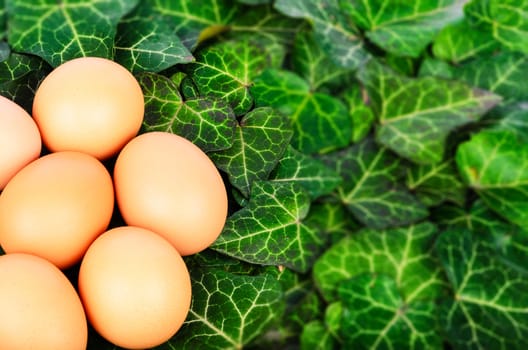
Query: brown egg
[[56, 206], [40, 307], [88, 104], [167, 184], [135, 287], [20, 141]]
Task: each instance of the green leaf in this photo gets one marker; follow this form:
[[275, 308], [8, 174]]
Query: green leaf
[[145, 42], [503, 73], [402, 28], [309, 172], [270, 229], [505, 19], [371, 190], [320, 121], [493, 163], [315, 336], [513, 118], [208, 123], [333, 32], [226, 71], [332, 220], [436, 183], [260, 139], [20, 76], [404, 254], [375, 316], [3, 20], [196, 23], [463, 40], [61, 31], [359, 111], [488, 306], [436, 68], [417, 115], [227, 311]]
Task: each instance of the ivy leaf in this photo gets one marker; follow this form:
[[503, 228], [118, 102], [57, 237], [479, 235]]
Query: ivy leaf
[[208, 123], [309, 172], [195, 24], [493, 164], [333, 32], [371, 190], [375, 316], [3, 20], [463, 40], [417, 115], [320, 121], [332, 220], [259, 141], [146, 42], [359, 111], [404, 254], [270, 230], [488, 306], [60, 31], [513, 118], [226, 71], [227, 311], [436, 183], [505, 19], [403, 28], [315, 336], [19, 78]]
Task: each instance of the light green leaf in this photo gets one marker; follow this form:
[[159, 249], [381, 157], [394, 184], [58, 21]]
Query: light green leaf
[[463, 40], [309, 172], [260, 139], [402, 28], [436, 183], [60, 31], [505, 19], [375, 316], [417, 115], [320, 121], [332, 31], [208, 123], [315, 336], [371, 190], [493, 163], [145, 42], [488, 306], [436, 68], [359, 111], [270, 229], [228, 311], [404, 254]]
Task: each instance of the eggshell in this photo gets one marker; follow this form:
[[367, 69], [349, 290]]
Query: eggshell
[[20, 141], [89, 104], [40, 308], [56, 206], [167, 184], [135, 287]]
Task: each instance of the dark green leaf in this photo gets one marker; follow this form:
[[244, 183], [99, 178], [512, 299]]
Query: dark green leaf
[[370, 188], [402, 254], [436, 68], [488, 306], [333, 32], [493, 163], [359, 111], [60, 31], [309, 172], [227, 311], [332, 220], [513, 118], [320, 121], [417, 115], [270, 229], [375, 316], [3, 20], [208, 123], [145, 42], [258, 143]]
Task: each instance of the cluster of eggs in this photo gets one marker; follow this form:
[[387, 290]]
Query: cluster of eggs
[[57, 203]]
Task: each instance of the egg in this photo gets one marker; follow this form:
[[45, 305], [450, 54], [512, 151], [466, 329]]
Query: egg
[[135, 287], [56, 206], [40, 307], [88, 104], [20, 141], [167, 184]]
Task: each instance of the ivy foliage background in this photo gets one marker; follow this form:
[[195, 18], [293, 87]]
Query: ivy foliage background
[[375, 153]]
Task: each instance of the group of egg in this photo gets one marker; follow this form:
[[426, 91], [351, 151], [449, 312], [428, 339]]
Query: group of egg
[[57, 203]]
